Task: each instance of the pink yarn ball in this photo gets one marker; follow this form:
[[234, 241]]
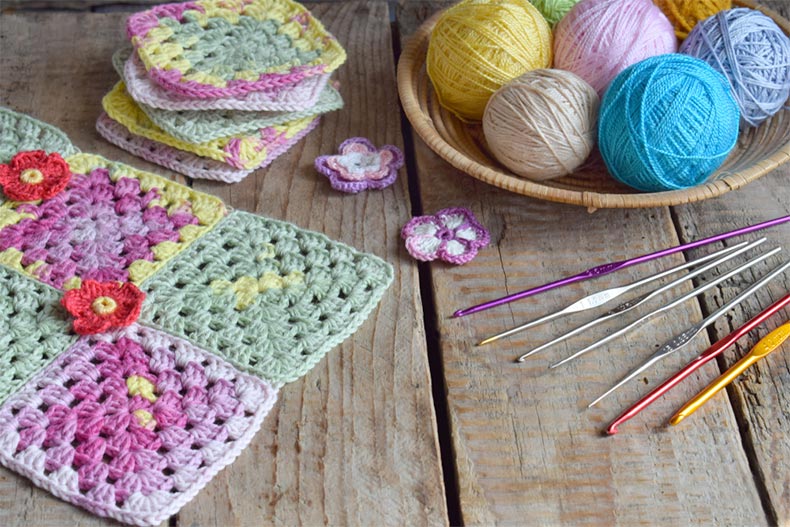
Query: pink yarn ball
[[598, 39]]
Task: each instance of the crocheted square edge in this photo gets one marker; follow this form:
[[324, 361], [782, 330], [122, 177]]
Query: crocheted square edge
[[206, 126], [141, 29], [223, 462], [187, 163], [243, 151], [351, 327], [55, 140], [142, 89]]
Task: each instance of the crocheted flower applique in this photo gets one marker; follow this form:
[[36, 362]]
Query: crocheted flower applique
[[453, 235], [359, 166], [99, 306], [34, 175]]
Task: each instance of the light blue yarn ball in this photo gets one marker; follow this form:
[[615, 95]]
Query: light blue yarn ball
[[752, 52], [667, 123]]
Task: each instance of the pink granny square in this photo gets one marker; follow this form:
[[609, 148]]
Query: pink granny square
[[131, 424]]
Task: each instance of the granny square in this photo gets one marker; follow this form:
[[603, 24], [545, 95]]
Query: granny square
[[131, 424], [299, 96], [186, 163], [244, 151], [112, 222], [270, 298], [34, 329], [199, 126], [19, 132], [220, 48]]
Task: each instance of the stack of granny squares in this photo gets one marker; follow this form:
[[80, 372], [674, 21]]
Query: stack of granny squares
[[215, 89]]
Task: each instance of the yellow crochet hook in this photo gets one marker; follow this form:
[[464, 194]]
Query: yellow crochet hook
[[767, 344]]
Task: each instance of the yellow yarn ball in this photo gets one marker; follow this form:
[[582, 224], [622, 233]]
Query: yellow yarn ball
[[684, 14], [478, 46], [543, 124]]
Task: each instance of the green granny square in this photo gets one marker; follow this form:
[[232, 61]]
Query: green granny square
[[34, 329], [19, 133], [268, 297]]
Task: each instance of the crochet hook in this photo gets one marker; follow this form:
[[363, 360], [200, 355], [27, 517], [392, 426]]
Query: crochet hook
[[697, 363], [667, 307], [607, 295], [616, 266], [682, 339], [766, 346], [625, 307]]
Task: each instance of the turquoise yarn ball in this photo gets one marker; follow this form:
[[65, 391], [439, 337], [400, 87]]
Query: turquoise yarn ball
[[667, 123]]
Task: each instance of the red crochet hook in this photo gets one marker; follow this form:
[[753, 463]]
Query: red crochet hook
[[695, 364]]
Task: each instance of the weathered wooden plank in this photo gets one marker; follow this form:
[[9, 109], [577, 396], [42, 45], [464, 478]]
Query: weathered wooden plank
[[760, 396], [353, 442], [526, 448]]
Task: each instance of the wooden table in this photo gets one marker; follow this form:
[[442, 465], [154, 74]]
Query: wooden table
[[408, 423]]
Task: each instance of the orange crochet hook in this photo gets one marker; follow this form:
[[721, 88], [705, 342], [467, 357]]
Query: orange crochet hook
[[767, 344], [696, 363]]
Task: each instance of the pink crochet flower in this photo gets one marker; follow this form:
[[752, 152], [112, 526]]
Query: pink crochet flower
[[453, 235], [361, 166]]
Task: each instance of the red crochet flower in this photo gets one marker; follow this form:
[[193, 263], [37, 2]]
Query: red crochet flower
[[99, 306], [34, 175]]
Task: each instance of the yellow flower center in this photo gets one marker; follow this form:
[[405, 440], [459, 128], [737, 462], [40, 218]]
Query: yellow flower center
[[141, 386], [31, 176], [145, 419], [104, 305]]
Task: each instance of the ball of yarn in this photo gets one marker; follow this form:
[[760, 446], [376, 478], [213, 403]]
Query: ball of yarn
[[598, 39], [479, 45], [684, 14], [754, 54], [543, 124], [667, 123], [554, 10]]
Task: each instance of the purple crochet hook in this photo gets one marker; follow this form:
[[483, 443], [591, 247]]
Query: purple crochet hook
[[616, 266]]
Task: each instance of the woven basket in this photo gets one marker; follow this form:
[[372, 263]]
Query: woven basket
[[758, 152]]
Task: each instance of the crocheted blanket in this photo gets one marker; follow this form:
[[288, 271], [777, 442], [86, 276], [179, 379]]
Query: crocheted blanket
[[145, 328]]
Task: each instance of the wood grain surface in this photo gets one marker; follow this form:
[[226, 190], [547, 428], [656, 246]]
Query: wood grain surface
[[353, 442]]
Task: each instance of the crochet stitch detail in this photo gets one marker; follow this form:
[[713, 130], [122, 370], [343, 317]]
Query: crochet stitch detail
[[244, 151], [359, 165], [34, 175], [283, 331], [453, 235], [196, 127], [19, 132], [132, 424], [216, 48], [111, 223], [98, 307], [186, 163], [34, 329], [300, 96]]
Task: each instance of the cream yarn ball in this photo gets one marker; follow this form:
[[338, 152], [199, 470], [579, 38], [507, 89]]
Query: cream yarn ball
[[543, 124]]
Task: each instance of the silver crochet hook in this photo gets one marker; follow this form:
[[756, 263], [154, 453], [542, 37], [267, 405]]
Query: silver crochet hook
[[667, 307], [681, 340], [632, 304], [607, 295]]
